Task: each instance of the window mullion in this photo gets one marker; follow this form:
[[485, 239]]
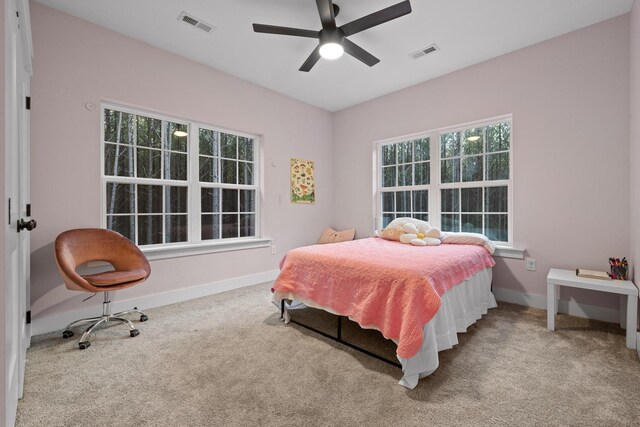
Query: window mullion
[[483, 155], [164, 137], [434, 194], [483, 209], [256, 183], [194, 216], [134, 174], [377, 176], [146, 181]]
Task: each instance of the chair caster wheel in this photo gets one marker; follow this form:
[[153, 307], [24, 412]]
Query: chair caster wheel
[[134, 332], [84, 344], [67, 333], [144, 317]]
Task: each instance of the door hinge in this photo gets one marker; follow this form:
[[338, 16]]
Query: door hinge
[[29, 317], [28, 209], [9, 211], [28, 104]]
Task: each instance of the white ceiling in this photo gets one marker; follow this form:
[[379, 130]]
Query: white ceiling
[[467, 32]]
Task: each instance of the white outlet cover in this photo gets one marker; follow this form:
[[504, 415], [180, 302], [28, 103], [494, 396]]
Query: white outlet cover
[[531, 264]]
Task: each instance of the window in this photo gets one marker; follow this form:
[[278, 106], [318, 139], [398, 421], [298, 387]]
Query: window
[[405, 179], [227, 190], [169, 181], [460, 183]]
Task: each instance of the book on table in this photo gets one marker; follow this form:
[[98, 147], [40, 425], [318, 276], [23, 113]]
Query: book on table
[[592, 274]]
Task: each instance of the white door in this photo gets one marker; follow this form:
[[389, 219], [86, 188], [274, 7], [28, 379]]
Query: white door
[[26, 223], [16, 292]]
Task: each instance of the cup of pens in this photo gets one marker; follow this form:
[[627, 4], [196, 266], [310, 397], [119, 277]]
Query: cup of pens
[[619, 268]]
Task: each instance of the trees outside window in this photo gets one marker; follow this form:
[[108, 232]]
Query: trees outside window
[[169, 181], [406, 177]]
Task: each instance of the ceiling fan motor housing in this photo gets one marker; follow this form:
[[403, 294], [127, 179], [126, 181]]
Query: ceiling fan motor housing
[[331, 35]]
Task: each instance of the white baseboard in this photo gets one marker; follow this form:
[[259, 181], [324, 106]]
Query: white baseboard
[[567, 307], [57, 321]]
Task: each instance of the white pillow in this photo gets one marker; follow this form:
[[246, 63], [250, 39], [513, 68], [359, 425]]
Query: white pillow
[[400, 222], [468, 239]]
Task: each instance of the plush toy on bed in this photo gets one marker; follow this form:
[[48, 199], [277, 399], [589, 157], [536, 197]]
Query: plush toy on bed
[[411, 231], [420, 233]]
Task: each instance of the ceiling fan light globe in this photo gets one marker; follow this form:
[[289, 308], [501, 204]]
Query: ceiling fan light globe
[[331, 50]]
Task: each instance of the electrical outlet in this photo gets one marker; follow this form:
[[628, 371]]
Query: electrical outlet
[[273, 249], [531, 264]]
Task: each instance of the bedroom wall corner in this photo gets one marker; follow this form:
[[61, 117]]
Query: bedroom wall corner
[[76, 62]]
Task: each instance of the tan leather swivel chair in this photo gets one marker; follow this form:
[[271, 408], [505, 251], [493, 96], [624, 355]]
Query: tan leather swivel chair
[[76, 247]]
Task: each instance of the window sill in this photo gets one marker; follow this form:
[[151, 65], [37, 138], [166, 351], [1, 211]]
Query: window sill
[[177, 251], [509, 252]]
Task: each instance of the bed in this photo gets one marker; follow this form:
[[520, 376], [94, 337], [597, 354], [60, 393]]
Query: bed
[[419, 297]]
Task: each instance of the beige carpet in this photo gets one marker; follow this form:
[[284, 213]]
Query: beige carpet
[[227, 360]]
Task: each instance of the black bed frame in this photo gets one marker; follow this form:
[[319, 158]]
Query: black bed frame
[[338, 337]]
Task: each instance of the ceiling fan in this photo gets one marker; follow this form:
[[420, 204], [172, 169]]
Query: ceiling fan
[[333, 40]]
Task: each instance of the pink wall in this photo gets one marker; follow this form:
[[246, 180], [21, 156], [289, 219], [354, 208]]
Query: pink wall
[[77, 62], [569, 97], [635, 137]]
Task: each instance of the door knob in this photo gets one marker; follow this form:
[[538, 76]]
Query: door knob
[[26, 225]]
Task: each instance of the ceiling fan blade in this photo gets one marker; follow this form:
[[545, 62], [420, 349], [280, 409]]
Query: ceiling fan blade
[[359, 53], [311, 60], [325, 9], [376, 18], [285, 31]]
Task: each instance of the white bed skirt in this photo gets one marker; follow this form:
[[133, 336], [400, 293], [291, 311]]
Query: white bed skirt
[[461, 307]]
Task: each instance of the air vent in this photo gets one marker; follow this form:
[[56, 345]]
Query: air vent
[[204, 27], [195, 22], [424, 51]]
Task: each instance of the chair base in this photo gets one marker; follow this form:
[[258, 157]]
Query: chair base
[[104, 320]]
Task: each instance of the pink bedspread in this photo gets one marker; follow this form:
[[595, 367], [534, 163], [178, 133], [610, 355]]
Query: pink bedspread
[[391, 286]]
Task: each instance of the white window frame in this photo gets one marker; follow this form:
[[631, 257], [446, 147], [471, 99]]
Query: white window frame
[[194, 244], [435, 185]]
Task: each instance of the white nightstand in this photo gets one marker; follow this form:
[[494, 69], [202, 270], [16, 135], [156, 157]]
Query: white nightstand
[[557, 278]]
